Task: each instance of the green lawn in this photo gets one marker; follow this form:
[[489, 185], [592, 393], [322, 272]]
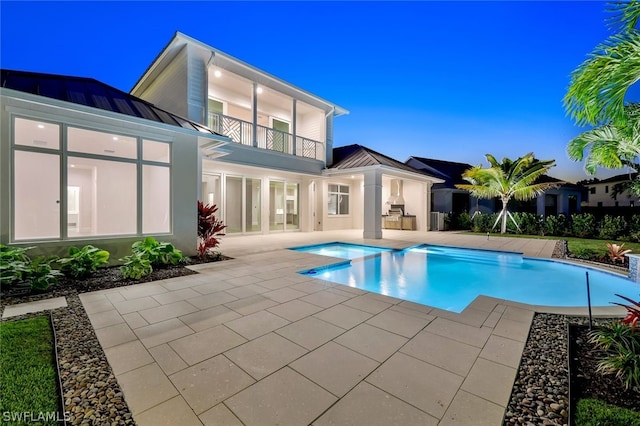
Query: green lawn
[[591, 412], [28, 374]]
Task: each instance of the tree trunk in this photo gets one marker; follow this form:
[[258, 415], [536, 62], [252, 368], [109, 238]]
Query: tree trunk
[[503, 229]]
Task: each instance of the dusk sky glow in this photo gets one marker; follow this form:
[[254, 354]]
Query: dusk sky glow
[[446, 80]]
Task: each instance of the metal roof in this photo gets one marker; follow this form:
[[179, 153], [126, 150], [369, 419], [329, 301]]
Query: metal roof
[[354, 156], [92, 93], [450, 171]]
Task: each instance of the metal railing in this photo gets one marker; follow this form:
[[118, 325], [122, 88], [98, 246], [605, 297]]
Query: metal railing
[[241, 132]]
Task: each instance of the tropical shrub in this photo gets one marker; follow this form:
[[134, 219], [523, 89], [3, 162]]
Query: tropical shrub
[[621, 343], [483, 222], [157, 253], [616, 252], [14, 264], [557, 225], [593, 412], [83, 262], [529, 223], [40, 274], [633, 312], [583, 225], [611, 227], [135, 267], [209, 229]]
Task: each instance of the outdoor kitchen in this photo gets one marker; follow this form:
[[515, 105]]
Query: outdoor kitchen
[[396, 216]]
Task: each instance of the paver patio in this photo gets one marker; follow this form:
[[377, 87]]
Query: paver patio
[[249, 341]]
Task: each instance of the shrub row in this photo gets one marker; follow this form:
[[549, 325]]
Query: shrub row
[[581, 225], [40, 273]]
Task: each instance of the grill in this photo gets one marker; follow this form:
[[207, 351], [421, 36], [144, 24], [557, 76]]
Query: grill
[[393, 219]]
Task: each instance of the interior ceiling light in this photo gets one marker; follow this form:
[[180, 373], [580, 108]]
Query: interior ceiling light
[[217, 73], [259, 90], [40, 126]]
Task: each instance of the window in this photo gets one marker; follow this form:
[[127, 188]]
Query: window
[[631, 204], [108, 189], [592, 190], [599, 203], [617, 203], [606, 189], [338, 199]]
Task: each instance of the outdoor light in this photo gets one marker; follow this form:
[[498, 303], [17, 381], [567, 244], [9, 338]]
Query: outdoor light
[[217, 73], [40, 126], [115, 138], [259, 90]]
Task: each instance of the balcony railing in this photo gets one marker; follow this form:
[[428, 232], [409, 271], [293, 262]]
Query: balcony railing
[[241, 132]]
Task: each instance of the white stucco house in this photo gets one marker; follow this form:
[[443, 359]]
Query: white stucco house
[[83, 162]]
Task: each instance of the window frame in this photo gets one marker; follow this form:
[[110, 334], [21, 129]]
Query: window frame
[[63, 154], [339, 194]]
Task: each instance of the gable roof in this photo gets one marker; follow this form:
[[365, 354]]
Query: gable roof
[[450, 171], [618, 178], [355, 156], [92, 93]]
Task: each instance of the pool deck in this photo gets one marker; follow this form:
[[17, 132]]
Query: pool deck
[[249, 341]]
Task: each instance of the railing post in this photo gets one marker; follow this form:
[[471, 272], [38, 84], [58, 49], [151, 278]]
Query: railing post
[[255, 114], [294, 150]]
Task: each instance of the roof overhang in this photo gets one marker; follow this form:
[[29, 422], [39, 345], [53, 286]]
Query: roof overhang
[[212, 55], [386, 170]]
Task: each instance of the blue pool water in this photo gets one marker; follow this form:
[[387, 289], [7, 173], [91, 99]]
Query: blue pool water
[[451, 278], [342, 250]]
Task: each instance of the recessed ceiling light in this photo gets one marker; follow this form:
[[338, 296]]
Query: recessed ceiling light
[[259, 90], [217, 73], [40, 126], [352, 176], [72, 165], [115, 138]]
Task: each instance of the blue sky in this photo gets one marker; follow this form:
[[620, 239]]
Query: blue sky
[[447, 80]]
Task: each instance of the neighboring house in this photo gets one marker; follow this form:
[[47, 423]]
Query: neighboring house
[[82, 161], [447, 198], [600, 193]]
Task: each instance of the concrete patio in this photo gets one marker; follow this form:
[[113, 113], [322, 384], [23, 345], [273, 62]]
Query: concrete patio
[[249, 341]]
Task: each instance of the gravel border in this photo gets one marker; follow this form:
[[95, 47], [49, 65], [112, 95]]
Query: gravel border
[[90, 393]]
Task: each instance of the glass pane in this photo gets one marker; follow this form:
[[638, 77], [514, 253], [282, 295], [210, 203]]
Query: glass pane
[[211, 192], [233, 218], [344, 189], [37, 195], [252, 205], [343, 204], [332, 208], [276, 206], [92, 142], [107, 196], [156, 201], [293, 218], [333, 188], [156, 151], [36, 133]]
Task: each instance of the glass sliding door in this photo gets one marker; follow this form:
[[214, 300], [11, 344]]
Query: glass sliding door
[[212, 192], [233, 205], [284, 206], [252, 205], [276, 206]]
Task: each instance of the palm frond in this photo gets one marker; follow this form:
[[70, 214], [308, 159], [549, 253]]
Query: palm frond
[[624, 14], [599, 85]]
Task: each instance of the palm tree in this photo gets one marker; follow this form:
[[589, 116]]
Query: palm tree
[[596, 96], [508, 179]]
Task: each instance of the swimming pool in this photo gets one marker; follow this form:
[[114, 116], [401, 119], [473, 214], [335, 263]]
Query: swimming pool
[[450, 278], [342, 250]]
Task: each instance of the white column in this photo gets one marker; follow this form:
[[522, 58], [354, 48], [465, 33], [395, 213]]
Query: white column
[[373, 204]]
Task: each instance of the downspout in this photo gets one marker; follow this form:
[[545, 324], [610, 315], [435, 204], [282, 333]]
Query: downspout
[[206, 90], [329, 141]]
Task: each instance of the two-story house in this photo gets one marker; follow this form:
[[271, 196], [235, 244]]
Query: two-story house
[[601, 193], [82, 161]]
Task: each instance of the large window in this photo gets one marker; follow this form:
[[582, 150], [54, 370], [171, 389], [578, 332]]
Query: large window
[[283, 206], [338, 199], [109, 189]]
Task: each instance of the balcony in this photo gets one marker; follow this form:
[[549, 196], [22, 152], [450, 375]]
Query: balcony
[[241, 132]]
